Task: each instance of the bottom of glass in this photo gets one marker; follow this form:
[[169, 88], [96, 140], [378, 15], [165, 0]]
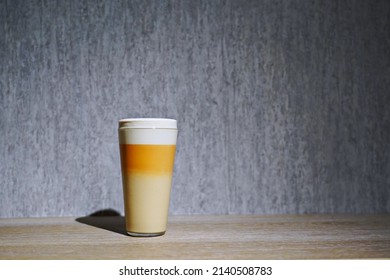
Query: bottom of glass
[[139, 234]]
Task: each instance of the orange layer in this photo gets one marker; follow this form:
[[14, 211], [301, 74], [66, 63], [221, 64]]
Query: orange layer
[[147, 158]]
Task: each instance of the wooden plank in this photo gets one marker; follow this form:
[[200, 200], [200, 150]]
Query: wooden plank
[[200, 237]]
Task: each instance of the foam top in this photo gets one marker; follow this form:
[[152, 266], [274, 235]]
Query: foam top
[[148, 131], [148, 123]]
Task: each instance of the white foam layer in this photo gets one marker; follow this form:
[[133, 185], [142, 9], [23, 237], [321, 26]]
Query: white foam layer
[[147, 136], [148, 123]]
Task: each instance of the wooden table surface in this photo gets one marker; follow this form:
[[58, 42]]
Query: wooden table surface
[[200, 237]]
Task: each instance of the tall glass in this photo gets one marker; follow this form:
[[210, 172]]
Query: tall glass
[[147, 151]]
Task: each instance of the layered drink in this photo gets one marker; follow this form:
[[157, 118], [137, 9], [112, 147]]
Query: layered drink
[[147, 150]]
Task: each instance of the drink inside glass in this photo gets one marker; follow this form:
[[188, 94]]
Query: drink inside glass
[[147, 151]]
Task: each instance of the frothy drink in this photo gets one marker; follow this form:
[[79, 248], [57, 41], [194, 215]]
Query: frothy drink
[[147, 150]]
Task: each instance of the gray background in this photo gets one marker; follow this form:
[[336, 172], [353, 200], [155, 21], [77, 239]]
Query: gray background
[[283, 106]]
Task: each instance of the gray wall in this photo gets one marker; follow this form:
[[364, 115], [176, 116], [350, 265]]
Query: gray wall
[[283, 106]]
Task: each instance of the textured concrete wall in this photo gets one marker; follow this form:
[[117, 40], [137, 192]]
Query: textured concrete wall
[[283, 106]]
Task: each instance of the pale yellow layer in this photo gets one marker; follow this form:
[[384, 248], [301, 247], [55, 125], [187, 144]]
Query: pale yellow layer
[[146, 202]]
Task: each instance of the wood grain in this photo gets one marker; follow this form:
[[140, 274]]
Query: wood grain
[[200, 237]]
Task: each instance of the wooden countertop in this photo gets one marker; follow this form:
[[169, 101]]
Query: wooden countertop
[[200, 237]]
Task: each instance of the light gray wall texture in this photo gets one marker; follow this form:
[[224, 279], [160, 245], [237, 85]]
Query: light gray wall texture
[[282, 106]]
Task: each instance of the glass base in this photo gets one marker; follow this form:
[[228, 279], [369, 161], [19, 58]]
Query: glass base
[[139, 234]]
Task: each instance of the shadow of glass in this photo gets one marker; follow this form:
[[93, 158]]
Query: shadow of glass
[[107, 219]]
